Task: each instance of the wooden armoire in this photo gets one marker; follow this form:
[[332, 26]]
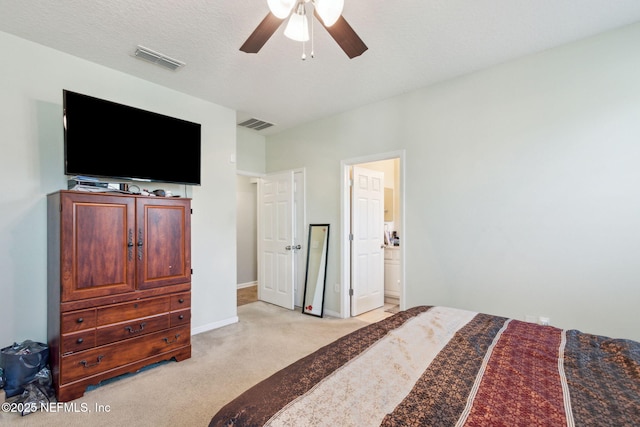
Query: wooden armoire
[[119, 285]]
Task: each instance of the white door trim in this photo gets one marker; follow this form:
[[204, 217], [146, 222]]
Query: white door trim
[[345, 209], [300, 234]]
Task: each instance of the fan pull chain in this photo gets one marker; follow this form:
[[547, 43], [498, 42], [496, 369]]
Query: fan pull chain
[[312, 46], [304, 53]]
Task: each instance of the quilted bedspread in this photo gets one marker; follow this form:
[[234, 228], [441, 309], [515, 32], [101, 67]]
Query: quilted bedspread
[[439, 366]]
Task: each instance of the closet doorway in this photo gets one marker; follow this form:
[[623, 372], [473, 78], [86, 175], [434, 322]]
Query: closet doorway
[[246, 238], [248, 219]]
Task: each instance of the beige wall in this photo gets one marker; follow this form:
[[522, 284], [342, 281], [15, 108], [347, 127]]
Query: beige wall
[[521, 184], [250, 149], [31, 165]]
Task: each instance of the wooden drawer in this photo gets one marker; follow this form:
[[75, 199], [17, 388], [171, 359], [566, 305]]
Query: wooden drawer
[[78, 341], [182, 317], [78, 320], [180, 301], [130, 329], [132, 310], [82, 365]]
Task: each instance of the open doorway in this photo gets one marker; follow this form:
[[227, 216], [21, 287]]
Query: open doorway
[[248, 211], [248, 219], [246, 239], [391, 231]]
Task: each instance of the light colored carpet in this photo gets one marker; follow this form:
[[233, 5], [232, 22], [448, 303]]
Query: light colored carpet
[[224, 363]]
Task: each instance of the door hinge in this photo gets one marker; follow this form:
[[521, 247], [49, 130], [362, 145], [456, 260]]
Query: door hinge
[[350, 237], [350, 182], [192, 271], [351, 292], [191, 211]]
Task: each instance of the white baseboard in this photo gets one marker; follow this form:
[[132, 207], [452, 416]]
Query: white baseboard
[[331, 313], [246, 285], [214, 325]]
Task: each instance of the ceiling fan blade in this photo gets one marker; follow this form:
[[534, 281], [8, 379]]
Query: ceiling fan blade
[[261, 34], [344, 35]]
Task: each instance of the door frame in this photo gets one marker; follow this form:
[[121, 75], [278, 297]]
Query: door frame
[[345, 210]]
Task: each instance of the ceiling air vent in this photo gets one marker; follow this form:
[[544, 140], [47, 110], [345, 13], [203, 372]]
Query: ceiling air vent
[[158, 58], [255, 124]]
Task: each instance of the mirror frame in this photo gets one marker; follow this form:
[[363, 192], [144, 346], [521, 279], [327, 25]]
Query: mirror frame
[[322, 270]]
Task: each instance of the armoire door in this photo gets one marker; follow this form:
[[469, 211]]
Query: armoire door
[[96, 235], [163, 245]]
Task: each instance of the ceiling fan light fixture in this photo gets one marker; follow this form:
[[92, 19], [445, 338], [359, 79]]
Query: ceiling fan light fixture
[[298, 28], [329, 10], [281, 8]]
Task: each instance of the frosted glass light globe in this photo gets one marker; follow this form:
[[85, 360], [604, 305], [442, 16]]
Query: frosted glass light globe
[[329, 10], [281, 8]]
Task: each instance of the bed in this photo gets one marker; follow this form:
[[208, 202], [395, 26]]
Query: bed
[[440, 366]]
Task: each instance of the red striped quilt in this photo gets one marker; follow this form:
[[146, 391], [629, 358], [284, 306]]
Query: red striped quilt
[[439, 366]]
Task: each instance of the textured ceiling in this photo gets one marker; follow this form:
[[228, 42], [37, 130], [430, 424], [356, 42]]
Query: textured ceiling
[[412, 43]]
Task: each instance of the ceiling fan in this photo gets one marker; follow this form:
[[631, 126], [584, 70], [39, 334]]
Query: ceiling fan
[[328, 13]]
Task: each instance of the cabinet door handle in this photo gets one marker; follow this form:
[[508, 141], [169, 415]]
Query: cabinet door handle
[[80, 340], [130, 245], [181, 300], [90, 365], [181, 317], [80, 319], [140, 243], [134, 331], [166, 340]]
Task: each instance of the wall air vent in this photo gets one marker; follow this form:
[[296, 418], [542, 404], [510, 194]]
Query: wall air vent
[[255, 124], [158, 58]]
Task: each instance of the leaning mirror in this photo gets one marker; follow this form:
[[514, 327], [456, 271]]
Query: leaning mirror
[[315, 278]]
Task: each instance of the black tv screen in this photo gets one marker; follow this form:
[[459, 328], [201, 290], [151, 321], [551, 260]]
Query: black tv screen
[[105, 139]]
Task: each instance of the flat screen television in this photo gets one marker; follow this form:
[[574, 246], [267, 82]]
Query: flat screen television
[[104, 139]]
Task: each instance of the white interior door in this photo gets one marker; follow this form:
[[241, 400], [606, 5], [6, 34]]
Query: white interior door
[[367, 246], [275, 239]]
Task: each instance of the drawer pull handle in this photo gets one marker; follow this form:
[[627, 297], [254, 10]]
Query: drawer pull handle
[[181, 300], [80, 319], [133, 331], [166, 340], [87, 365], [181, 317], [80, 340]]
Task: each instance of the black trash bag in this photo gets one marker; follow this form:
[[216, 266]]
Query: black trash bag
[[21, 363], [38, 393]]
